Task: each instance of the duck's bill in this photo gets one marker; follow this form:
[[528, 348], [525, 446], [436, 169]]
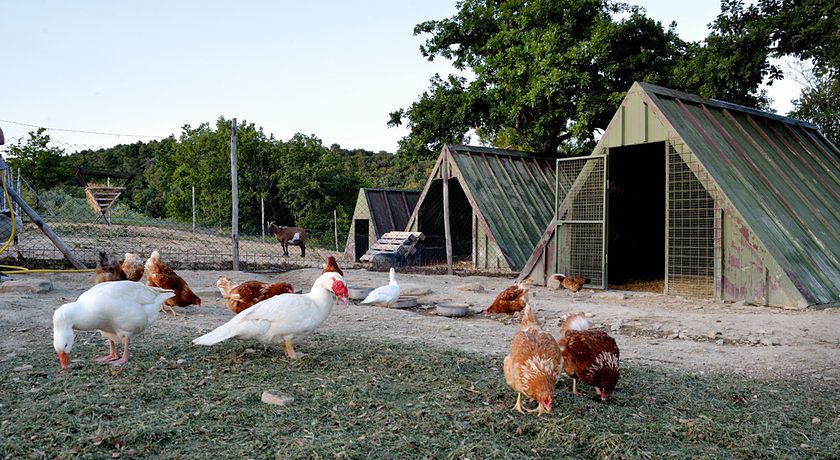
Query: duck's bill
[[64, 359]]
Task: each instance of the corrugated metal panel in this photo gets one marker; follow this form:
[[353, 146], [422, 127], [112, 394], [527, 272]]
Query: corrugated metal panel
[[513, 191], [390, 208], [781, 175]]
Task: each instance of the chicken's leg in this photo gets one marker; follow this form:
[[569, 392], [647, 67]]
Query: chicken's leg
[[124, 358], [111, 356], [574, 385], [518, 406], [163, 308], [290, 350]]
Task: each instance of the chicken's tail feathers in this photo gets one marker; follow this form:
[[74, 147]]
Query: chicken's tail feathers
[[153, 259], [576, 322], [213, 337]]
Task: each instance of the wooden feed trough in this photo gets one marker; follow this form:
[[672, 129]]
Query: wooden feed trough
[[101, 197]]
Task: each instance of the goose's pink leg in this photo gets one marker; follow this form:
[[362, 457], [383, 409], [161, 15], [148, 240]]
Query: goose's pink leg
[[111, 356], [124, 358]]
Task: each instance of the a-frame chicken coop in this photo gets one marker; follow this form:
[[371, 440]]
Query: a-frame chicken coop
[[102, 196], [713, 199]]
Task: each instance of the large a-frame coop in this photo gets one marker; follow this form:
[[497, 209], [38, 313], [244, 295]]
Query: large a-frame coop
[[101, 197]]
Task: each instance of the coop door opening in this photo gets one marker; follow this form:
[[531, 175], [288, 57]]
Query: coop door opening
[[580, 185], [362, 236], [691, 227], [636, 218]]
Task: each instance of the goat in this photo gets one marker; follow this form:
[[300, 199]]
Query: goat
[[295, 236]]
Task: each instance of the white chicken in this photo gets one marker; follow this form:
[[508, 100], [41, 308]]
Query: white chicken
[[119, 310], [385, 295], [283, 318]]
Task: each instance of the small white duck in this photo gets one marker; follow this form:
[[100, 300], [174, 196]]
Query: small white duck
[[385, 295], [118, 309], [283, 318]]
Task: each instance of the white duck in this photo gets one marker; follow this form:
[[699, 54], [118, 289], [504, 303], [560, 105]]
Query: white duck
[[385, 295], [118, 309], [283, 318]]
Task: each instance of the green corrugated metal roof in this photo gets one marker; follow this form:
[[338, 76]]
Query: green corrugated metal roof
[[390, 208], [514, 191], [781, 174]]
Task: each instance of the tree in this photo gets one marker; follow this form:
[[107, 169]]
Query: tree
[[819, 103], [40, 164], [546, 73]]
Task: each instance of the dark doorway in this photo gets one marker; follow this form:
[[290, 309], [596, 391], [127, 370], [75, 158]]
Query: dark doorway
[[430, 222], [362, 236], [636, 241]]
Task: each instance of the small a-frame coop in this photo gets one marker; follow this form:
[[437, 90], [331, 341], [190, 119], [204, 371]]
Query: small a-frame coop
[[378, 211], [101, 197], [714, 199], [499, 203]]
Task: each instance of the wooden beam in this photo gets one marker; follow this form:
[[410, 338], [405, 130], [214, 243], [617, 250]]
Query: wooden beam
[[446, 230]]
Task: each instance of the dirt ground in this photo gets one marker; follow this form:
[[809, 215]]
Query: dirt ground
[[687, 334]]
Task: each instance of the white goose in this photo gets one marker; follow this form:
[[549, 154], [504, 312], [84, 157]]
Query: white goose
[[385, 295], [283, 318], [118, 309]]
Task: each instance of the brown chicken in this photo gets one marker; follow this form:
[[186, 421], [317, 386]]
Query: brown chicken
[[572, 283], [132, 266], [589, 355], [511, 300], [159, 275], [108, 269], [533, 364], [246, 294], [332, 266]]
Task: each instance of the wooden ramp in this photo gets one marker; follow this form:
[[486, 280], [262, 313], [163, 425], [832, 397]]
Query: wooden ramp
[[101, 198], [399, 243]]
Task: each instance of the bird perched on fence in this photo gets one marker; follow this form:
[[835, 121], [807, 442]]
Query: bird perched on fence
[[119, 310], [511, 300], [284, 318], [108, 268], [589, 355], [160, 275], [533, 364], [385, 295], [132, 266], [248, 293]]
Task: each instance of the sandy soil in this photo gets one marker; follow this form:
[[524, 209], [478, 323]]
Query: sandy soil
[[687, 334]]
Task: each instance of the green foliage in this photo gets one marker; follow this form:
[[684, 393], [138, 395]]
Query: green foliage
[[819, 103], [42, 165]]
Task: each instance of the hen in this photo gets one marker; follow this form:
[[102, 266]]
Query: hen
[[132, 266], [589, 355], [511, 300], [108, 269], [160, 275], [573, 283], [533, 364], [244, 295], [283, 318], [119, 310], [332, 266]]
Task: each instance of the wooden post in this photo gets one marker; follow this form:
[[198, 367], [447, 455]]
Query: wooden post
[[68, 253], [262, 216], [446, 231], [234, 183], [335, 221], [193, 207]]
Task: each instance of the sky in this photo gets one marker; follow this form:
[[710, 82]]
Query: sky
[[334, 69]]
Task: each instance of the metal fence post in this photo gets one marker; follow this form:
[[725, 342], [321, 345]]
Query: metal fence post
[[262, 216], [234, 182], [335, 221], [193, 207]]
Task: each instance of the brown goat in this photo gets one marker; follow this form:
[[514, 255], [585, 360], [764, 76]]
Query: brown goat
[[294, 236]]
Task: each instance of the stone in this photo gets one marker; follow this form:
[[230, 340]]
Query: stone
[[414, 290], [609, 295], [774, 341], [719, 341], [766, 342], [471, 287], [276, 399], [26, 286], [385, 261], [616, 325], [816, 420], [22, 368]]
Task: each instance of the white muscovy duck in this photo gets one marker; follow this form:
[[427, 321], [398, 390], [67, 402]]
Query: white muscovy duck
[[385, 295], [118, 309], [283, 318]]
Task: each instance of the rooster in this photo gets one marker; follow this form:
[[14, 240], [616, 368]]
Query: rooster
[[132, 266], [572, 283], [511, 300], [533, 364], [589, 355], [244, 295], [108, 269], [160, 275], [332, 266]]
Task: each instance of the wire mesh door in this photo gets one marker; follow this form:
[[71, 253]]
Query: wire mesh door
[[581, 207]]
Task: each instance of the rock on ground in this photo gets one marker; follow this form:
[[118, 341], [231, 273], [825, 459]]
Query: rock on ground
[[26, 286]]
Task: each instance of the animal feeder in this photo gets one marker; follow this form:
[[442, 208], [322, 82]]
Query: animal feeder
[[101, 197]]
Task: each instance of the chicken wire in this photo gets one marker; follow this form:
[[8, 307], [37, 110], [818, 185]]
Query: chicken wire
[[691, 226]]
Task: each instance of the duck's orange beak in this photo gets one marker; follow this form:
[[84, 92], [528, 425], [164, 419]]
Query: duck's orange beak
[[64, 359]]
